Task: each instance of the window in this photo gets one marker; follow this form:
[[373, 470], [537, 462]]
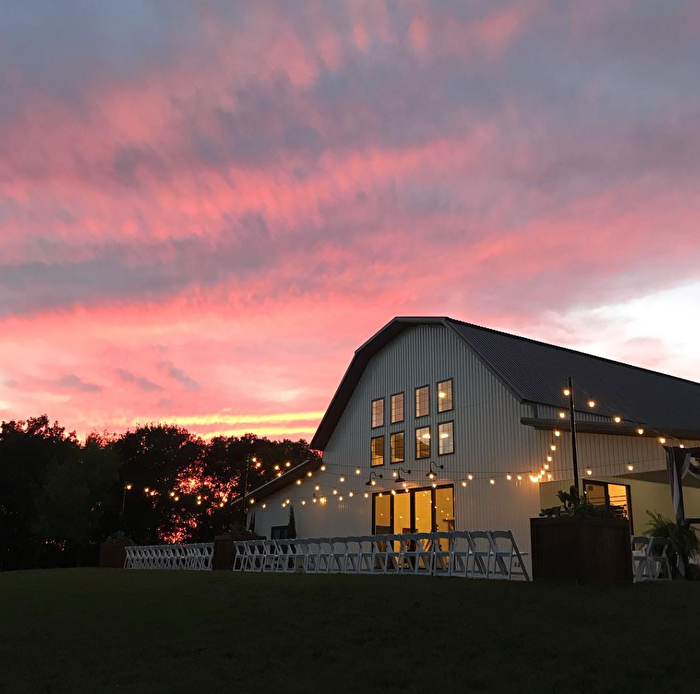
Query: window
[[377, 451], [446, 441], [381, 512], [397, 408], [444, 393], [377, 413], [423, 442], [422, 401], [397, 447], [615, 496], [413, 511]]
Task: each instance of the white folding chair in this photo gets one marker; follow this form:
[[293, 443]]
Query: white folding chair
[[640, 557], [339, 553], [207, 560], [462, 554], [417, 553], [129, 558], [270, 556], [313, 554], [366, 554], [481, 567], [239, 556], [657, 558], [353, 551], [507, 558], [390, 559], [443, 549]]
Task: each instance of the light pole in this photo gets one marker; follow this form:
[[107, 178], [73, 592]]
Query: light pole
[[572, 421], [127, 487], [248, 461]]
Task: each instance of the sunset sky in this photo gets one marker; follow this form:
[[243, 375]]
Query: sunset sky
[[206, 207]]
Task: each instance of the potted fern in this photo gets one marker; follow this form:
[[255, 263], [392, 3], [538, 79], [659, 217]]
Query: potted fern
[[683, 544]]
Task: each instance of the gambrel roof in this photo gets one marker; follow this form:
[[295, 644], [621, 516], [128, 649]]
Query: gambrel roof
[[536, 372]]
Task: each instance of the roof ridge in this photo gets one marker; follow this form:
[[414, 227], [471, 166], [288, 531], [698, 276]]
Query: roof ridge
[[571, 350]]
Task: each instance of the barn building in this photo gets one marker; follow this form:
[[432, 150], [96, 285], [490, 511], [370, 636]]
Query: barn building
[[439, 424]]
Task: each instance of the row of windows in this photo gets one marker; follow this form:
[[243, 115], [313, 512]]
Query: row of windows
[[423, 444], [422, 402]]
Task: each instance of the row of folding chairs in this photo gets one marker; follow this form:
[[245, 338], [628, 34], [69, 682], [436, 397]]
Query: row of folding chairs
[[491, 554], [197, 556], [650, 558]]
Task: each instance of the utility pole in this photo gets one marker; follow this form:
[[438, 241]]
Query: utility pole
[[572, 421]]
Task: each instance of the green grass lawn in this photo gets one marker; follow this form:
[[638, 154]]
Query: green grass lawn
[[101, 630]]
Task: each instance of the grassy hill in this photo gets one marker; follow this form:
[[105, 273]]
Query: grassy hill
[[99, 630]]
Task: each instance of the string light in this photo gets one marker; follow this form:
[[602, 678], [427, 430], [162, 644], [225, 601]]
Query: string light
[[366, 495], [351, 494], [591, 404], [534, 479], [470, 476], [340, 498], [309, 474], [520, 477], [553, 447], [640, 431], [617, 419], [342, 479], [146, 489], [287, 464], [562, 415], [630, 467], [464, 483], [277, 467], [358, 471], [662, 439], [264, 505], [318, 487], [546, 466], [492, 481], [549, 459], [298, 481], [557, 432], [303, 502], [128, 486], [335, 491], [323, 468], [509, 477], [589, 472], [567, 392]]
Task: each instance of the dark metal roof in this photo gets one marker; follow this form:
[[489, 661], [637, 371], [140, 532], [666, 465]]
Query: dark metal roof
[[536, 372]]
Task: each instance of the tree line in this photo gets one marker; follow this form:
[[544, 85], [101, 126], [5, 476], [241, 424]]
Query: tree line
[[60, 497]]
